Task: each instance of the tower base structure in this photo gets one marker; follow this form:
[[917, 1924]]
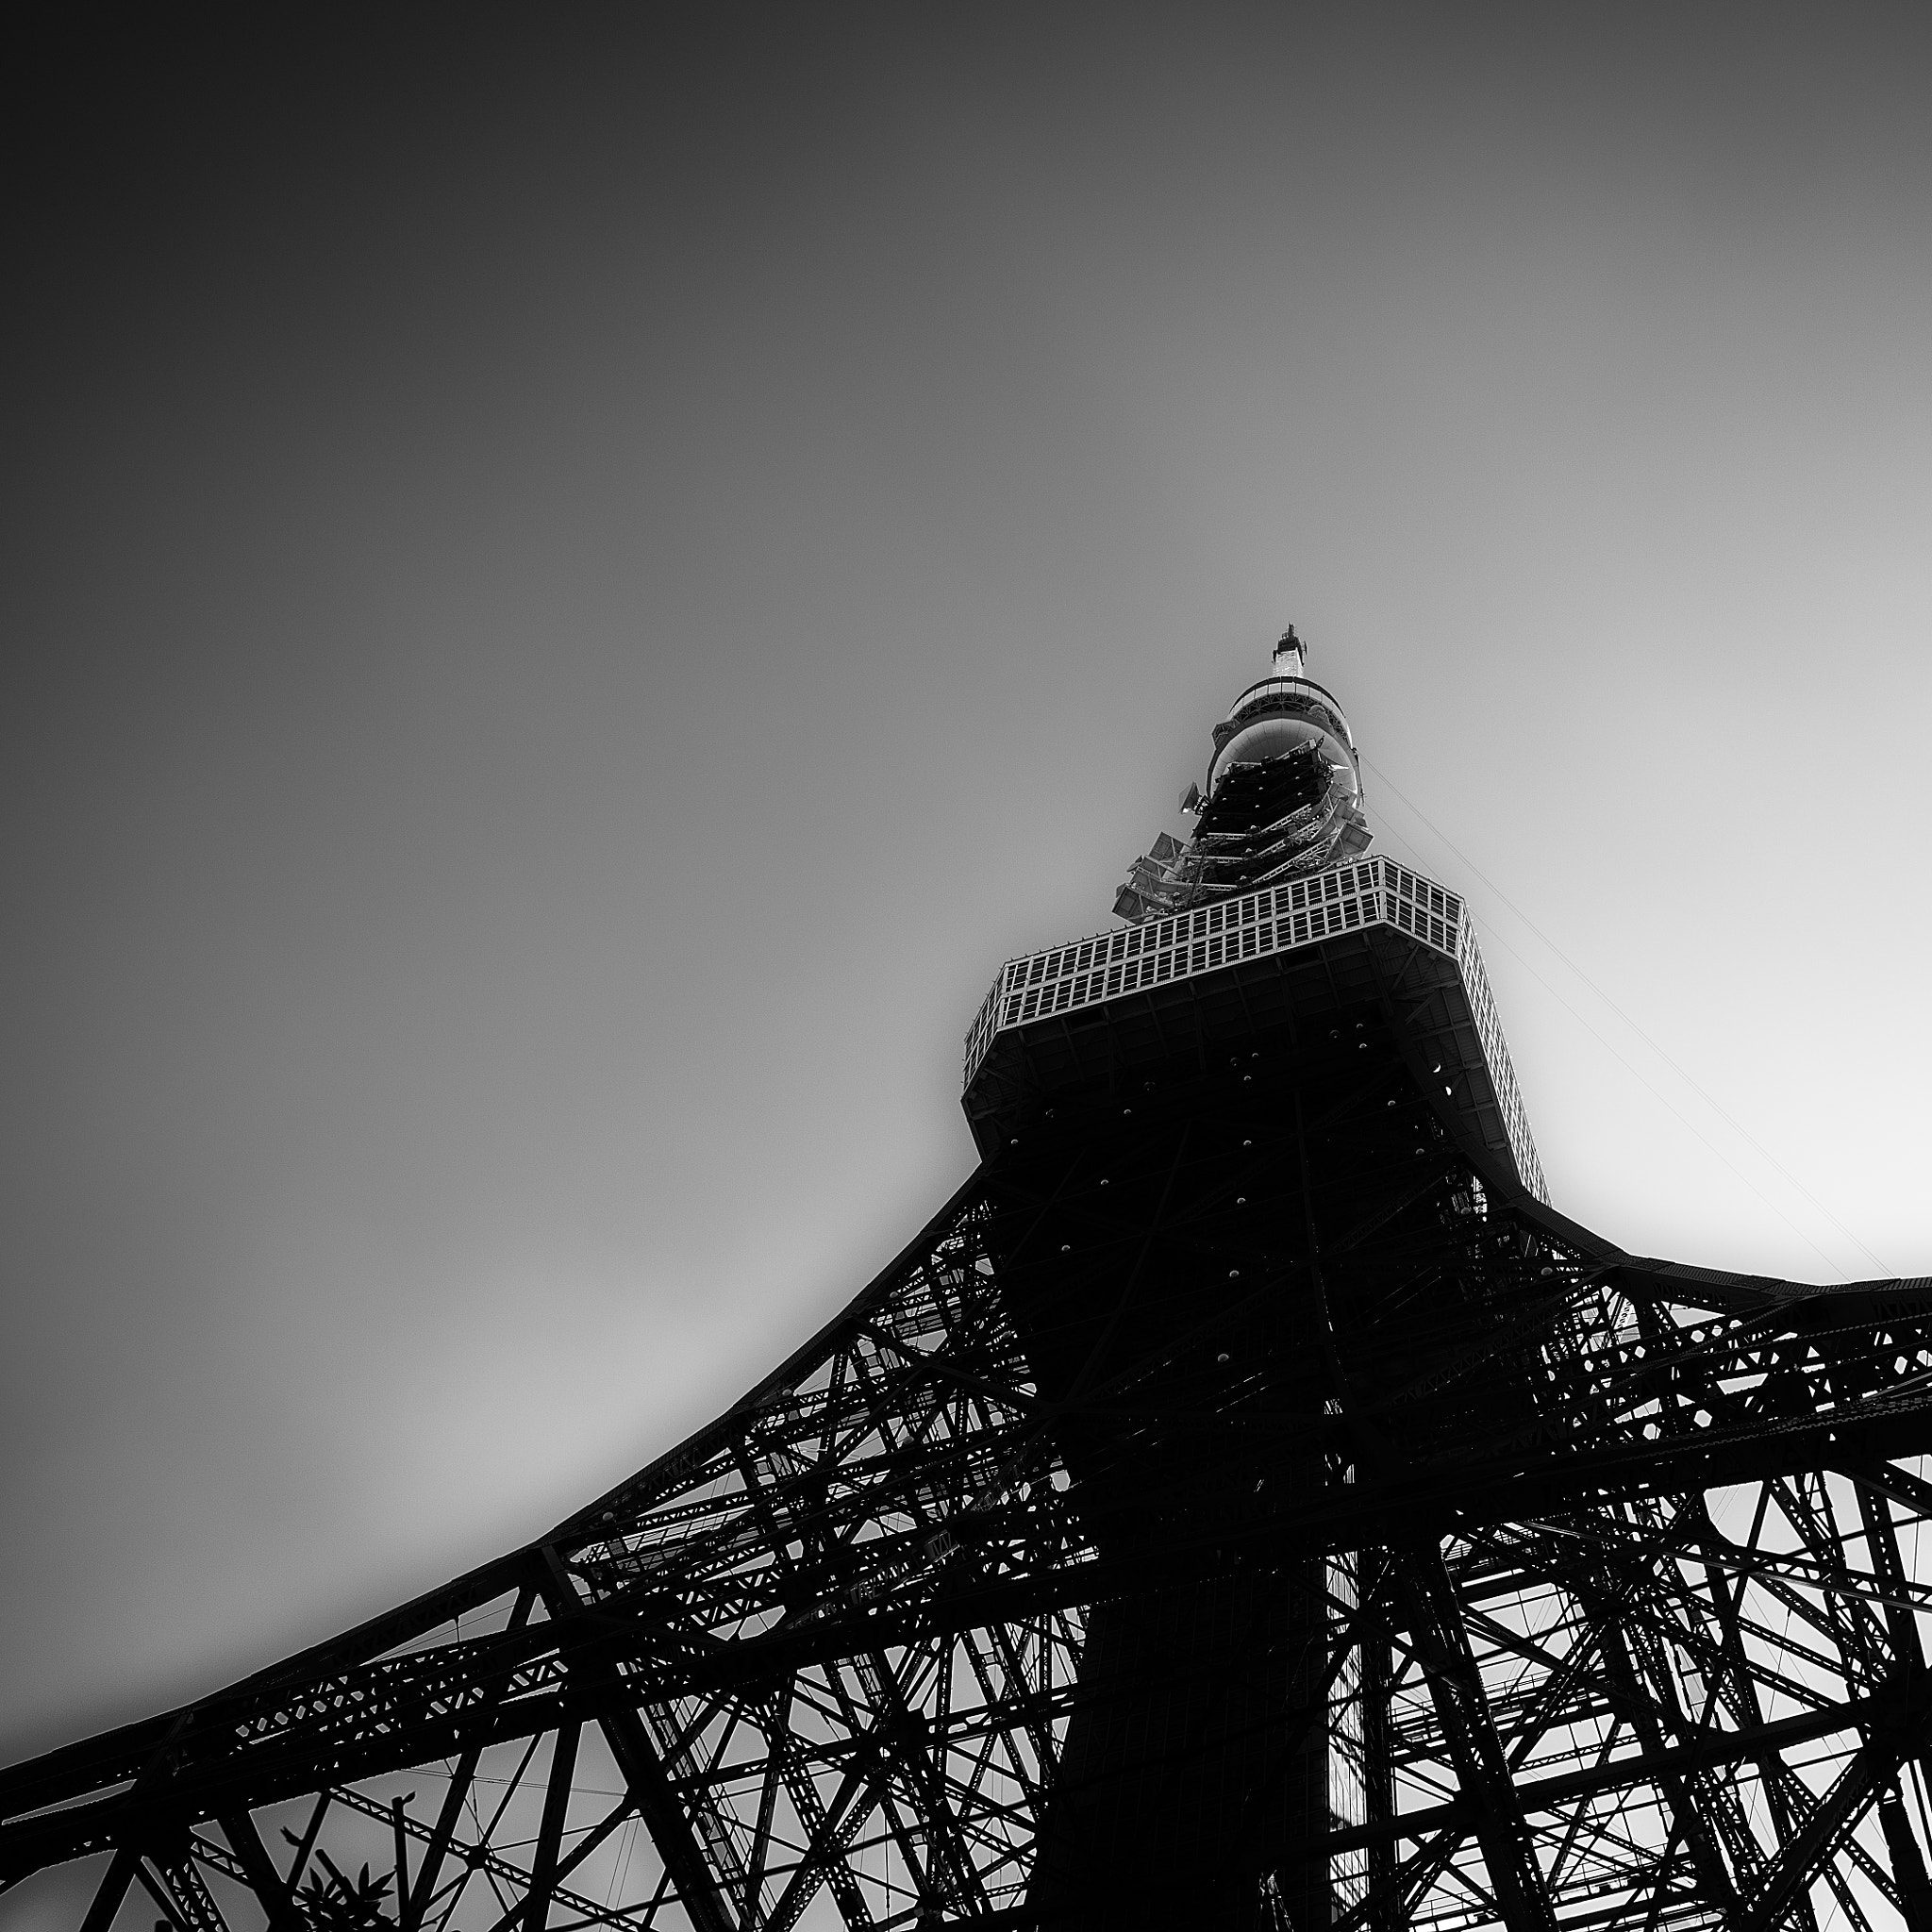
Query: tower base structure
[[1247, 1504]]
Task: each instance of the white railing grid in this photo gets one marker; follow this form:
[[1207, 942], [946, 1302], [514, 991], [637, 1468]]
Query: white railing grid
[[1275, 920], [1488, 1027], [1278, 918]]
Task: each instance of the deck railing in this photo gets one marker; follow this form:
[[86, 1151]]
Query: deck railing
[[1278, 918]]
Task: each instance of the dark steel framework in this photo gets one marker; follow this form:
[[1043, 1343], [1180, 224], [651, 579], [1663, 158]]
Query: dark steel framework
[[1242, 1505]]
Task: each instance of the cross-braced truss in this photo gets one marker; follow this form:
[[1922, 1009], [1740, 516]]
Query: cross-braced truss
[[1269, 1467], [827, 1702]]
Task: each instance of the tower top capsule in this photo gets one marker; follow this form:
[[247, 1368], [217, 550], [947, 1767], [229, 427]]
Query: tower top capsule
[[1282, 797]]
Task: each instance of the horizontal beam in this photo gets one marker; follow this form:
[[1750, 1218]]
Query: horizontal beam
[[1713, 1750], [405, 1711]]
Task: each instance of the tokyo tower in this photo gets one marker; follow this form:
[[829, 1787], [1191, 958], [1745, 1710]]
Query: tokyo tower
[[1246, 1504]]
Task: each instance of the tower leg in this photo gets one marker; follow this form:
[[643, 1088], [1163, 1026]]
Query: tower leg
[[111, 1891]]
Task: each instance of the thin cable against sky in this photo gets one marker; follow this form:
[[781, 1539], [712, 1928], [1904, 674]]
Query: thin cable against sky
[[1383, 778], [1703, 1094], [1663, 1099]]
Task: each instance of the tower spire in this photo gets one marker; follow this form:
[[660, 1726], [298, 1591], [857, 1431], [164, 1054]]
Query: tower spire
[[1282, 800]]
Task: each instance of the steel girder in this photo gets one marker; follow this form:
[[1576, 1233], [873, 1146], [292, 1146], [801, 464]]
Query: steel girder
[[1241, 1505]]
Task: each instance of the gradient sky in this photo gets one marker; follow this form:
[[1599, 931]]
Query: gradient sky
[[576, 580]]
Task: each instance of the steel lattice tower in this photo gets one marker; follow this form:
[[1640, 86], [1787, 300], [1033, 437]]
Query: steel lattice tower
[[1247, 1503]]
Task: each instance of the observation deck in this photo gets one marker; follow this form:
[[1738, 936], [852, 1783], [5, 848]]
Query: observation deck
[[1372, 933]]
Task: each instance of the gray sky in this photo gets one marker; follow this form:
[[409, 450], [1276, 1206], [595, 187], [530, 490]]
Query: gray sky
[[577, 581]]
